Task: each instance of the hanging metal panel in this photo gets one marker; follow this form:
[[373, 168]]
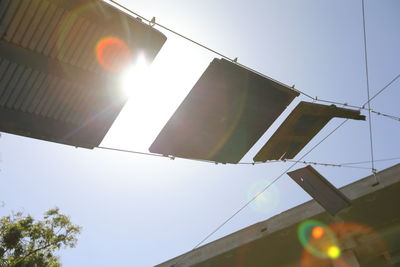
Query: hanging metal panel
[[330, 198], [303, 123], [55, 83], [224, 114]]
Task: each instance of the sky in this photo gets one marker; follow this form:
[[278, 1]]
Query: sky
[[140, 211]]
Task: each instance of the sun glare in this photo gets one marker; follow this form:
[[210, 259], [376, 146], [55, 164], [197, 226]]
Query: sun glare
[[135, 78], [154, 90]]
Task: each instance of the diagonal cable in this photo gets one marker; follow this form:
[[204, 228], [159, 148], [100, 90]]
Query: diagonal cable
[[368, 161], [383, 89], [258, 194], [154, 23]]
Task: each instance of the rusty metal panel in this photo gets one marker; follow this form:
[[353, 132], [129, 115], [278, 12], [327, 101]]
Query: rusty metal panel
[[328, 196], [303, 123], [52, 84], [224, 115]]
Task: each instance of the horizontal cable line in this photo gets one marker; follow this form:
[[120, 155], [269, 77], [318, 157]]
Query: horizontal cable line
[[364, 162], [327, 164], [132, 152], [386, 115], [154, 154], [240, 163], [261, 192], [266, 187], [302, 162], [358, 107], [243, 163], [363, 106], [153, 22]]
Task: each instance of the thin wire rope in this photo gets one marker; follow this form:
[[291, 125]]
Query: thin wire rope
[[368, 161], [257, 195], [240, 163], [322, 164], [151, 22], [344, 165], [360, 107], [307, 95], [368, 91], [302, 162], [384, 88], [243, 163], [131, 151], [149, 154], [154, 23], [340, 125]]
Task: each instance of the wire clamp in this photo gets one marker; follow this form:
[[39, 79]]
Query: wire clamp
[[152, 22]]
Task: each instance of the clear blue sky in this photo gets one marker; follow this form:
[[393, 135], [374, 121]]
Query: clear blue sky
[[140, 211]]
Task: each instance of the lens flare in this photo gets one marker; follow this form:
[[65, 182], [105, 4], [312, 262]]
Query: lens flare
[[316, 253], [317, 232], [113, 54], [333, 252], [318, 239], [266, 202]]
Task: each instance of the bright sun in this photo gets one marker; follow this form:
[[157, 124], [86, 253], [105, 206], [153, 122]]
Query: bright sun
[[136, 77], [155, 91]]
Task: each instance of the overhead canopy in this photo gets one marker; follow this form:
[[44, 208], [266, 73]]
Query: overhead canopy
[[330, 198], [303, 123], [224, 115], [60, 67]]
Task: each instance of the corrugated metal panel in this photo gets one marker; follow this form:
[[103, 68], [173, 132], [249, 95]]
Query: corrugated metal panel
[[10, 87], [46, 25], [15, 92], [70, 43], [26, 21], [26, 89], [86, 32], [3, 66], [34, 24], [3, 7], [53, 31], [319, 188], [53, 98], [27, 103], [10, 7], [303, 123], [72, 99], [6, 77], [53, 19], [64, 100], [47, 93], [59, 101], [50, 37], [16, 20], [50, 79], [224, 115], [92, 37]]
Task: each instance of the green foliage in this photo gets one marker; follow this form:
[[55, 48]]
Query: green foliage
[[26, 242]]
